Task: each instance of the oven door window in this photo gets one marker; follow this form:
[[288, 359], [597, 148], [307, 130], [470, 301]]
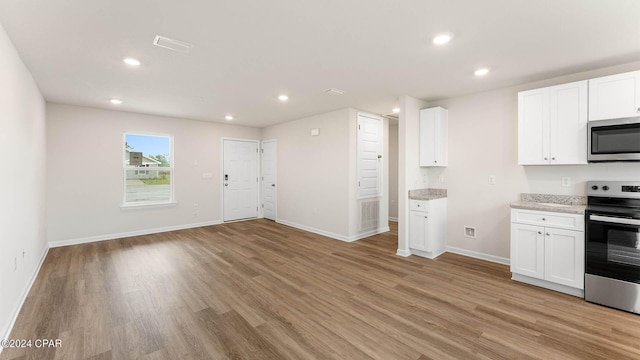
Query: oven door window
[[615, 139], [613, 251], [623, 247]]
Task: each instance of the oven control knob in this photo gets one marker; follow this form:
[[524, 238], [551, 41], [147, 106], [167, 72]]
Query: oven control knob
[[605, 188], [594, 187]]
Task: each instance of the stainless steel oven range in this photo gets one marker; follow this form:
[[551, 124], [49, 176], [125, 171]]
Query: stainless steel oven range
[[612, 268]]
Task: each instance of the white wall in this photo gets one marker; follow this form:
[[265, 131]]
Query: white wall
[[313, 172], [482, 142], [22, 184], [84, 180], [393, 171], [410, 175]]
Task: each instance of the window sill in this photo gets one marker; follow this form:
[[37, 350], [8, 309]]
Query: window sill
[[147, 205]]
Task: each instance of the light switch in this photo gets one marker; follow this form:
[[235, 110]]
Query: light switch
[[492, 179], [315, 132], [207, 176]]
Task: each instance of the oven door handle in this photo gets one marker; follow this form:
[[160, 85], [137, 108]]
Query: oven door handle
[[614, 220]]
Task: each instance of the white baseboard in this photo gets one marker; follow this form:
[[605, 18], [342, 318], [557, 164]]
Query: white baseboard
[[403, 252], [369, 233], [548, 285], [426, 254], [130, 234], [393, 219], [479, 255], [314, 230], [6, 332]]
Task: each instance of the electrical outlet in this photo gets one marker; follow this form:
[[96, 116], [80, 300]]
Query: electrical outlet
[[470, 232], [196, 206], [196, 214], [492, 179], [566, 181]]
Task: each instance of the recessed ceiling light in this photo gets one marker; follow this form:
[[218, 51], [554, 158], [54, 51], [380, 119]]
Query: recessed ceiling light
[[443, 38], [115, 101], [481, 72], [131, 61], [228, 117], [396, 110], [283, 97]]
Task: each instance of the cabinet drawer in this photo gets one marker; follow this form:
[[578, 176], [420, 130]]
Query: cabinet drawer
[[419, 205], [548, 219]]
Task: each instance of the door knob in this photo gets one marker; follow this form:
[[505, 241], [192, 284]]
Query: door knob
[[274, 185]]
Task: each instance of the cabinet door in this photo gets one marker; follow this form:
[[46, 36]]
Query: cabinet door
[[527, 250], [418, 223], [533, 127], [433, 137], [568, 123], [564, 257], [615, 96]]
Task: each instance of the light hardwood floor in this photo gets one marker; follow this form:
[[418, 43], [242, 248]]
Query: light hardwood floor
[[260, 290]]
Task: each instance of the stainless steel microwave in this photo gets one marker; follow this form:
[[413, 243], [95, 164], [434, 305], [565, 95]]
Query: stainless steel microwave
[[614, 140]]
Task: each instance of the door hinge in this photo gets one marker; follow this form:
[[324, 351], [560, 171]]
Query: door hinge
[[257, 180], [256, 149], [358, 127], [256, 208], [263, 178], [262, 150], [262, 205], [358, 183]]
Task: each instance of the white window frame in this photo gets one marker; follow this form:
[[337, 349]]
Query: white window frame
[[137, 204]]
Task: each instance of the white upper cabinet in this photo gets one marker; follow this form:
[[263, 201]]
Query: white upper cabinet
[[433, 137], [552, 125], [615, 96]]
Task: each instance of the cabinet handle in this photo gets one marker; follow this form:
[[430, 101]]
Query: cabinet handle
[[435, 161], [543, 219], [548, 234], [426, 217], [553, 158], [539, 232], [418, 205], [638, 109], [546, 158]]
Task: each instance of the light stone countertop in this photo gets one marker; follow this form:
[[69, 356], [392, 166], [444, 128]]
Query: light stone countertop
[[570, 204], [427, 194]]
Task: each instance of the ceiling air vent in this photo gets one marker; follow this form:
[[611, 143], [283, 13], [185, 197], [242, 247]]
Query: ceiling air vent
[[392, 116], [171, 44], [333, 91]]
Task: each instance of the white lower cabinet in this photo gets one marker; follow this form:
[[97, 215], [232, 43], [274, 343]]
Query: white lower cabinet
[[547, 249], [428, 227]]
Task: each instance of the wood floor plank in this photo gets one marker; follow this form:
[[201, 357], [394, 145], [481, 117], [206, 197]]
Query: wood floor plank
[[261, 290]]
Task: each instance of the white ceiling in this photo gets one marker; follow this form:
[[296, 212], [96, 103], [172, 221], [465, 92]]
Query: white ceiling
[[247, 52]]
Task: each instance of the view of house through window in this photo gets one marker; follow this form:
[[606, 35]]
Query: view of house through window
[[148, 169]]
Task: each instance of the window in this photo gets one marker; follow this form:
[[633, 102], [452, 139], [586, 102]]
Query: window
[[147, 169]]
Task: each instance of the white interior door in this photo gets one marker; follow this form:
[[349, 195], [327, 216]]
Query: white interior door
[[369, 148], [269, 190], [240, 179]]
